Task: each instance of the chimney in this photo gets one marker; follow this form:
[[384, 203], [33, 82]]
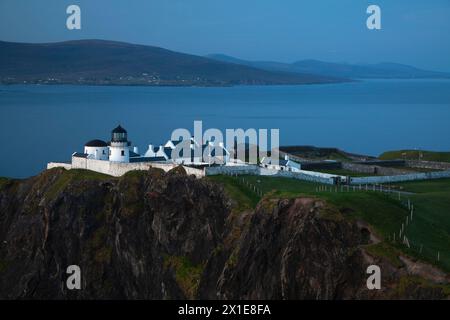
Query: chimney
[[136, 150], [150, 152], [286, 157]]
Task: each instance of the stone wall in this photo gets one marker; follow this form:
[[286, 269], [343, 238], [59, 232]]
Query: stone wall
[[400, 178], [372, 169], [428, 164], [118, 169], [64, 165], [233, 170], [314, 165], [326, 179], [384, 163]]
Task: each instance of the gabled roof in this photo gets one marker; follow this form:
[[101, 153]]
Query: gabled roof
[[168, 152], [134, 154]]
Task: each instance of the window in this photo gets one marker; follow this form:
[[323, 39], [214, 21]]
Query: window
[[103, 152], [122, 153]]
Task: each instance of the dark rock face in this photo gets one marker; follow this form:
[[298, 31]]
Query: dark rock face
[[119, 231], [289, 252], [156, 235]]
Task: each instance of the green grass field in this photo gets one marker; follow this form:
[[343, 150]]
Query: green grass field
[[384, 212], [431, 218], [416, 155]]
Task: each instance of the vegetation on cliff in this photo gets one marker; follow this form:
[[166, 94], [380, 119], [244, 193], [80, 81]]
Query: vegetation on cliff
[[416, 155], [384, 212], [157, 235]]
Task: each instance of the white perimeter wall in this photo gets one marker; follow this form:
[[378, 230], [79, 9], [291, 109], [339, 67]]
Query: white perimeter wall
[[117, 169]]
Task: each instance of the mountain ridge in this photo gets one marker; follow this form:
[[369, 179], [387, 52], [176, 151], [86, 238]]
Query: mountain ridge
[[382, 70], [105, 62]]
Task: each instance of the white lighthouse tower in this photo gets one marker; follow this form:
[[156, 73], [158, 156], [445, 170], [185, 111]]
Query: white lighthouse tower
[[119, 148]]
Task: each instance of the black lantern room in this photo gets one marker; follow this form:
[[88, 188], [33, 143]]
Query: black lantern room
[[119, 134]]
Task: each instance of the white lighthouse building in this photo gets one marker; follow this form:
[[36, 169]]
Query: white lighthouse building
[[117, 156], [119, 147]]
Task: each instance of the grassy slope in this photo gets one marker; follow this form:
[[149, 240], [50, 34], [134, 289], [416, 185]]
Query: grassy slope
[[431, 223], [73, 175], [415, 155], [237, 191], [431, 219]]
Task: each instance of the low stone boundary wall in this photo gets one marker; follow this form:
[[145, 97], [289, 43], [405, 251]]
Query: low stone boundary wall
[[372, 169], [400, 178], [320, 165], [428, 164], [306, 177], [383, 163], [232, 170]]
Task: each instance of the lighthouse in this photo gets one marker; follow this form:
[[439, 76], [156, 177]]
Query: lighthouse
[[119, 148]]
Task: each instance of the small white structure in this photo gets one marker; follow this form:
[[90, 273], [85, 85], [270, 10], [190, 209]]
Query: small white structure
[[97, 149], [283, 165]]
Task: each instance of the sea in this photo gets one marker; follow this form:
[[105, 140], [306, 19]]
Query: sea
[[44, 123]]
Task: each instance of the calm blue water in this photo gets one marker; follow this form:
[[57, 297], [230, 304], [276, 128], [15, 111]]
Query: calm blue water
[[39, 124]]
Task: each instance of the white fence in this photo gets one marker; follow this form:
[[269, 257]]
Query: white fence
[[258, 171]]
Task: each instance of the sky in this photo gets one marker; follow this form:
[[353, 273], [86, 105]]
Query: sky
[[414, 32]]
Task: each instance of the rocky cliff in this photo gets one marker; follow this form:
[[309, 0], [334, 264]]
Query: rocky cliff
[[156, 235]]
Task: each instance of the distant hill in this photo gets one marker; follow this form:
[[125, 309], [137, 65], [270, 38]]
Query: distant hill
[[416, 155], [109, 62], [340, 70]]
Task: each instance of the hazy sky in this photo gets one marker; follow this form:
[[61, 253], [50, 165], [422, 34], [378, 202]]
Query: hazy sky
[[413, 31]]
